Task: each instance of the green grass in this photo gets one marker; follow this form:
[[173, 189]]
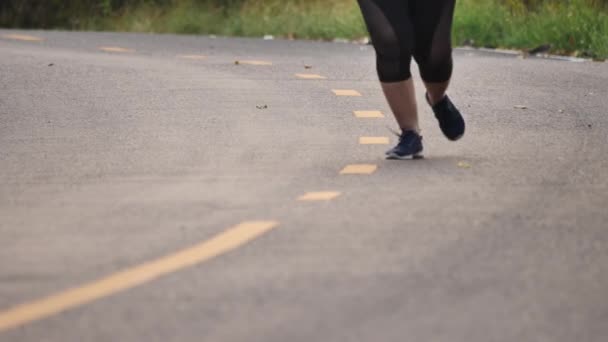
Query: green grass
[[312, 19], [572, 27]]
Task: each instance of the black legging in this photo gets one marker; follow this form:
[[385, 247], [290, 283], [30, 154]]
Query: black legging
[[402, 28]]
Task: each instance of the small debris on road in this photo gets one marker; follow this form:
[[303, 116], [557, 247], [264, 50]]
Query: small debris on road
[[540, 49], [268, 37], [307, 66], [363, 41], [262, 107], [51, 64], [464, 165], [237, 62], [468, 42], [520, 107]]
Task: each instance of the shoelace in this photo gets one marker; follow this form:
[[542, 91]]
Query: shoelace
[[397, 134], [394, 132], [400, 136]]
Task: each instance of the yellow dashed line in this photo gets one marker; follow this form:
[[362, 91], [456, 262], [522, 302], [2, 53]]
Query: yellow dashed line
[[319, 196], [115, 49], [364, 114], [346, 92], [129, 278], [311, 76], [254, 62], [359, 169], [195, 57], [22, 37], [374, 141]]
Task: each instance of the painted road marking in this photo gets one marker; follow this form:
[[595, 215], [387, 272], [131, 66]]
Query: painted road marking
[[253, 62], [195, 57], [374, 141], [311, 77], [115, 49], [359, 169], [319, 196], [367, 114], [138, 275], [22, 37], [346, 92]]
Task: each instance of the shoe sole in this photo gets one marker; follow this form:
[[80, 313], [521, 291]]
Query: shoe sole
[[456, 138], [393, 156]]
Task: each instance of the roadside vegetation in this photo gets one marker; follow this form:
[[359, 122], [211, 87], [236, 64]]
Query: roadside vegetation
[[570, 27]]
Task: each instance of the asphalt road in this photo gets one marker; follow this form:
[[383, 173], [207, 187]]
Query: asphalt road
[[113, 159]]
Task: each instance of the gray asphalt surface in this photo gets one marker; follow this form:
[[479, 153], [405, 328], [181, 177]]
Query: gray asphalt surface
[[108, 160]]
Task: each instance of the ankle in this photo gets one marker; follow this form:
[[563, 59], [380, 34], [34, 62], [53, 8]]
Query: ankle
[[410, 129], [433, 99]]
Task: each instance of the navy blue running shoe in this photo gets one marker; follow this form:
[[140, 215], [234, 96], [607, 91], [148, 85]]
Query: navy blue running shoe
[[450, 120], [409, 147]]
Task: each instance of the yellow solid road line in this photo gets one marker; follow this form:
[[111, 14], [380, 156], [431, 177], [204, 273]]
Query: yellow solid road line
[[22, 37], [359, 169], [374, 141], [129, 278], [366, 114], [251, 62], [311, 77], [115, 49], [195, 57], [346, 92], [319, 196]]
